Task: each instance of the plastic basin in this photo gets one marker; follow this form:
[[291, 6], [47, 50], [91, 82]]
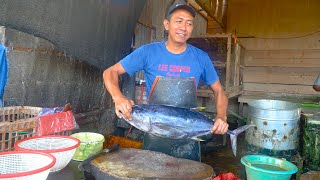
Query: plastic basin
[[90, 144], [25, 165], [267, 168], [61, 147]]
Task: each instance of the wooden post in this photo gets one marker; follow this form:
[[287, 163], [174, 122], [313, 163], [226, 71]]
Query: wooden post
[[228, 70], [236, 81]]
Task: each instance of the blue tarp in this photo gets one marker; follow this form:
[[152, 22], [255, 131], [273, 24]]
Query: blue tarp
[[3, 71]]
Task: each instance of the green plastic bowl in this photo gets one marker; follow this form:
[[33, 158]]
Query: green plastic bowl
[[90, 144], [267, 168]]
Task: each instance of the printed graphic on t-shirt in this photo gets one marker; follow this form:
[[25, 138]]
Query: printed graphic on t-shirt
[[173, 70]]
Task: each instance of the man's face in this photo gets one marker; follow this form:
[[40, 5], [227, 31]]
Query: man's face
[[179, 26]]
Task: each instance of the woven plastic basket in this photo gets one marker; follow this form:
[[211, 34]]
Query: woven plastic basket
[[16, 123], [61, 147], [24, 165]]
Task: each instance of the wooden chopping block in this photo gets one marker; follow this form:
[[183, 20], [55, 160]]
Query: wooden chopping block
[[127, 163]]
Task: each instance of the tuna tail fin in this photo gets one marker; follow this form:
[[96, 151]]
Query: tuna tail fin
[[233, 139], [234, 134]]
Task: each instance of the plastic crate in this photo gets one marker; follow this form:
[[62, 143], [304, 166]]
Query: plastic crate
[[16, 123]]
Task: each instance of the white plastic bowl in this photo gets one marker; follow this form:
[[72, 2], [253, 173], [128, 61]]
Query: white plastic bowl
[[61, 147], [25, 165]]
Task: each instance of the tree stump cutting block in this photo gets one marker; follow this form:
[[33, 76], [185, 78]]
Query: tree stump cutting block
[[127, 163]]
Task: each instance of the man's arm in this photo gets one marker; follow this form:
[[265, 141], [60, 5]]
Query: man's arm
[[111, 81], [221, 102]]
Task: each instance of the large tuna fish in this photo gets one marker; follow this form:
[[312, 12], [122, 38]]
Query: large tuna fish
[[176, 123]]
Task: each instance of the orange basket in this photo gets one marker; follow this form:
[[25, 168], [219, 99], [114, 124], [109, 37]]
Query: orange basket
[[16, 123], [123, 142]]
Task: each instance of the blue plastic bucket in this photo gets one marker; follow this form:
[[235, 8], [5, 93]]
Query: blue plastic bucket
[[261, 167]]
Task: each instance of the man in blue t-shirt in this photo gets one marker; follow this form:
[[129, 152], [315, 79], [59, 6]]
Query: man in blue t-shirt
[[171, 58]]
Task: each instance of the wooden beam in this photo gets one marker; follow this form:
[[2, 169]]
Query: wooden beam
[[280, 88], [228, 64], [236, 81], [248, 96], [234, 91], [213, 27], [207, 93], [198, 8], [284, 62], [280, 75], [284, 53], [307, 42], [222, 35], [211, 10]]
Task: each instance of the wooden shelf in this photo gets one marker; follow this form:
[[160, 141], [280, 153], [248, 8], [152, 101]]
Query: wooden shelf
[[248, 96]]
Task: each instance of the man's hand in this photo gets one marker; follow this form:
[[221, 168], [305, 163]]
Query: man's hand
[[123, 106], [111, 80], [220, 126]]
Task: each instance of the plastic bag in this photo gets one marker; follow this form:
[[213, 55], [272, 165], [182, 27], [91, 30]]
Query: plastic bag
[[55, 120]]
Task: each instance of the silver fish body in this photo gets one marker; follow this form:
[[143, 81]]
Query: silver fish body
[[170, 122], [177, 123]]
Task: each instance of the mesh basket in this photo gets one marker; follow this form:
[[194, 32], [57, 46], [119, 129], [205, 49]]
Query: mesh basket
[[16, 123], [61, 147], [25, 165]]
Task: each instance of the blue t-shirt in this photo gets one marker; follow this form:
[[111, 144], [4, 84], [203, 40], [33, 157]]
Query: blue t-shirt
[[156, 60]]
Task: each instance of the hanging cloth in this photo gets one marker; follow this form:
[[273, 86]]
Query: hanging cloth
[[3, 72]]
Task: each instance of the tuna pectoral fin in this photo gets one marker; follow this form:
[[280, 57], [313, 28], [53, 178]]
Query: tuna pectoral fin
[[234, 134]]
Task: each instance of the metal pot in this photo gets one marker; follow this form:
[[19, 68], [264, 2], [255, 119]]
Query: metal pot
[[277, 124]]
